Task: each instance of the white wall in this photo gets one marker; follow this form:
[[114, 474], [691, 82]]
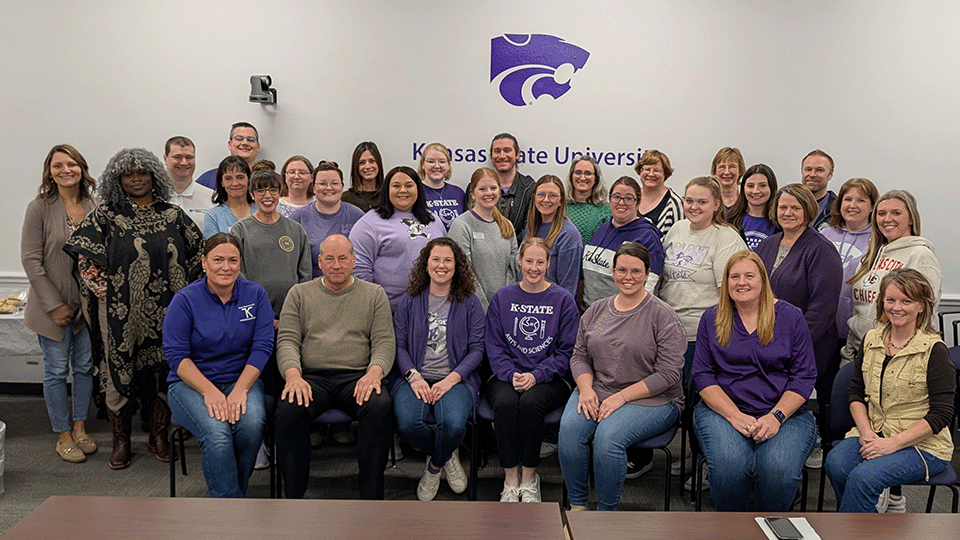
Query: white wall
[[873, 82]]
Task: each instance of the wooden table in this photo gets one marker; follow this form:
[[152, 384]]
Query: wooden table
[[742, 526], [102, 518]]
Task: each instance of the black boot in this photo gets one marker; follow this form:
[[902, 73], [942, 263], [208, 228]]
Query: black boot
[[158, 442]]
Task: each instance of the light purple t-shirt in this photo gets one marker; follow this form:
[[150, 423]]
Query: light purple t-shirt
[[319, 226]]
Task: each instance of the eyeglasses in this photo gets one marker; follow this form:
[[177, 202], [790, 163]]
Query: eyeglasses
[[324, 185], [585, 174], [298, 172], [263, 191], [545, 195], [241, 138], [436, 162], [634, 272], [654, 170], [629, 199]]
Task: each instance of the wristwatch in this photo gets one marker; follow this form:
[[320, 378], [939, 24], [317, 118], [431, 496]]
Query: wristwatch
[[413, 371], [779, 416]]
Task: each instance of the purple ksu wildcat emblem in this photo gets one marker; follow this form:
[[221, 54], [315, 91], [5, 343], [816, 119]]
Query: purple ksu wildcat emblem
[[531, 65]]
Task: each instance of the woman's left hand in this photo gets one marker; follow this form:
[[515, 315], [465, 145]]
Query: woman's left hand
[[877, 447], [765, 428], [441, 387], [523, 381], [611, 404], [236, 405]]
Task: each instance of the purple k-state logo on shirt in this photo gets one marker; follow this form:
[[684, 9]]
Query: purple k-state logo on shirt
[[532, 65]]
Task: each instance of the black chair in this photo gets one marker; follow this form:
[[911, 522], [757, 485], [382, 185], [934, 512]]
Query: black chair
[[177, 450], [485, 414], [841, 421]]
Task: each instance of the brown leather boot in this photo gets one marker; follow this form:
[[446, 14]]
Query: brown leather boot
[[120, 425], [158, 443]]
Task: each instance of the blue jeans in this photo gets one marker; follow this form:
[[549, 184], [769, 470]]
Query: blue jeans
[[451, 414], [736, 463], [57, 357], [627, 425], [858, 482], [228, 452]]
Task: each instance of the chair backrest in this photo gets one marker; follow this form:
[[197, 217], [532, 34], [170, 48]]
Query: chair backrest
[[840, 418]]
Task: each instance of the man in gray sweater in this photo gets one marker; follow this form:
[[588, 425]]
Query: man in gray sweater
[[334, 348]]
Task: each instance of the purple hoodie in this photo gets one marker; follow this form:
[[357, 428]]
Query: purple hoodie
[[531, 332], [851, 245]]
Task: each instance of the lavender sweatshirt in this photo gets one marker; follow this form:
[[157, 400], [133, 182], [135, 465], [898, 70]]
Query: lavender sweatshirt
[[851, 245]]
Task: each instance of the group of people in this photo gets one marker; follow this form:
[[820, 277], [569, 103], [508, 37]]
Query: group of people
[[405, 300]]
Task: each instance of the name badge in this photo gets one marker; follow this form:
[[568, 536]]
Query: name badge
[[478, 236]]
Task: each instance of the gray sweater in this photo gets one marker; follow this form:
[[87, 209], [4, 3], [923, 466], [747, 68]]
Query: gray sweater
[[494, 257], [275, 256]]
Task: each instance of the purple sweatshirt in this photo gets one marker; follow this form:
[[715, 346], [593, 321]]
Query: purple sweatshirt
[[386, 248], [754, 375], [598, 256], [851, 245], [531, 332], [446, 202]]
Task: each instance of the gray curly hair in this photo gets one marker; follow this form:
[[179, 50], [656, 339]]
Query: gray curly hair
[[126, 161]]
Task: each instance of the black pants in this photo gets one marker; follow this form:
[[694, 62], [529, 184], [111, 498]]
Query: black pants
[[518, 418], [334, 389]]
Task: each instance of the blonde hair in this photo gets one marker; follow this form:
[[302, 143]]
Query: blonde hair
[[914, 286], [728, 153], [534, 219], [877, 239], [423, 157], [767, 316], [506, 228], [533, 241], [719, 216]]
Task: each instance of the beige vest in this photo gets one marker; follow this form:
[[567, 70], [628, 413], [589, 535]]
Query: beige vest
[[905, 399]]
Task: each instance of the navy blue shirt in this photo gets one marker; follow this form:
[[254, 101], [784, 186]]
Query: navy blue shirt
[[221, 339]]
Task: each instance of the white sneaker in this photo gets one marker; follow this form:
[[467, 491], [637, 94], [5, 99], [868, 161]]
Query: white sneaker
[[429, 483], [530, 493], [705, 484], [884, 501], [510, 493], [547, 449], [815, 460], [455, 475], [897, 506], [263, 457], [675, 466]]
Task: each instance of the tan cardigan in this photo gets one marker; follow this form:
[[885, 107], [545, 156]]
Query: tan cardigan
[[49, 268]]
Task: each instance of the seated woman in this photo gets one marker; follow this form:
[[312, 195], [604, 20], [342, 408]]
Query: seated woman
[[217, 336], [899, 435], [439, 325], [531, 330], [627, 390], [754, 369]]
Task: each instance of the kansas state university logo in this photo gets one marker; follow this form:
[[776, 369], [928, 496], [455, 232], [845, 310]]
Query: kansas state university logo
[[531, 65]]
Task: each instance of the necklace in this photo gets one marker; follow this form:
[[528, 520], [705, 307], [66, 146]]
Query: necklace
[[900, 348]]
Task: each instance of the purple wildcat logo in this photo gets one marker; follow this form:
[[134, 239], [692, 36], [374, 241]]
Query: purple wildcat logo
[[531, 65]]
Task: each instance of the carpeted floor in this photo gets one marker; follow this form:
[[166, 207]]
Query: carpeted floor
[[34, 472]]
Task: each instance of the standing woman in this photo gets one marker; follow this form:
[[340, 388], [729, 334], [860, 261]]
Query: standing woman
[[487, 237], [134, 252], [387, 241], [531, 330], [366, 177], [586, 203], [624, 226], [695, 252], [443, 198], [849, 230], [297, 191], [901, 399], [231, 196], [728, 167], [657, 202], [547, 219], [439, 325], [805, 270], [628, 390], [895, 242], [328, 215], [754, 370], [217, 336], [752, 211], [53, 312]]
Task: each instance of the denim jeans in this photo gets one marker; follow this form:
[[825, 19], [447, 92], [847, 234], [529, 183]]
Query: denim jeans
[[736, 463], [627, 425], [58, 356], [450, 412], [228, 452], [858, 482]]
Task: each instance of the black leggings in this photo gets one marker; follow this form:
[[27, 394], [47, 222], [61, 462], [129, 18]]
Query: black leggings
[[518, 418]]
